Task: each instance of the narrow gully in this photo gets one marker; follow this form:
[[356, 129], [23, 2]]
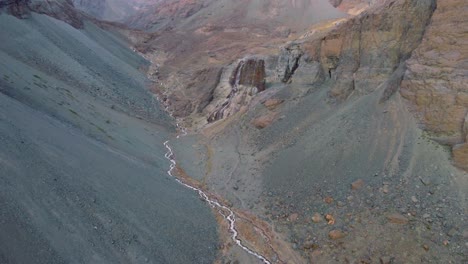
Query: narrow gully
[[230, 216]]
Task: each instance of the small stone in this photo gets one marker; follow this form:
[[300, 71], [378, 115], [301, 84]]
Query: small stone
[[385, 189], [426, 247], [397, 219], [317, 218], [446, 242], [235, 187], [328, 200], [264, 121], [336, 234], [452, 232], [414, 199], [330, 219], [385, 260], [465, 234], [357, 184], [272, 103], [365, 260], [426, 215], [310, 245], [424, 181], [293, 217]]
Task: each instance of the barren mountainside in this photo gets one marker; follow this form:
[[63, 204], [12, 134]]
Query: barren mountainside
[[298, 131]]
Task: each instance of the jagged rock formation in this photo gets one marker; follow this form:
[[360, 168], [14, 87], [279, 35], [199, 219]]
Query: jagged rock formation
[[249, 72], [352, 54], [245, 81], [437, 75]]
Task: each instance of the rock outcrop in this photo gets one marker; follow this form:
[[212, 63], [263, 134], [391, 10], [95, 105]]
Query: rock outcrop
[[361, 54], [250, 72], [59, 9], [437, 75], [18, 8], [245, 81]]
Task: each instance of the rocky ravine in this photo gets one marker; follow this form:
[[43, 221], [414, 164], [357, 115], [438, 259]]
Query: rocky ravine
[[328, 149], [329, 154]]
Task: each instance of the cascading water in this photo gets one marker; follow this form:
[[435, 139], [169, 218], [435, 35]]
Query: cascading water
[[225, 211]]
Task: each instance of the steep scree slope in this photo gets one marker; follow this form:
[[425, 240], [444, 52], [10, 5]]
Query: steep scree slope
[[82, 169]]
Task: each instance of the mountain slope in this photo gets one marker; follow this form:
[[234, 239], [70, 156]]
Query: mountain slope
[[189, 15], [332, 135], [82, 169]]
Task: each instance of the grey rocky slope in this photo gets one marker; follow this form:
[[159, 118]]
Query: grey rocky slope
[[82, 168], [112, 10]]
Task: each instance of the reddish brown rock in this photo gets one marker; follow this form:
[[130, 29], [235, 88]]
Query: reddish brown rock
[[272, 103], [357, 184], [250, 73], [317, 218], [397, 219], [460, 156], [436, 77], [328, 200], [330, 219], [336, 234], [264, 121], [293, 217]]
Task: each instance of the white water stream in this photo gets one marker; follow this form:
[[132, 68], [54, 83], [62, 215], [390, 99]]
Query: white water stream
[[230, 217]]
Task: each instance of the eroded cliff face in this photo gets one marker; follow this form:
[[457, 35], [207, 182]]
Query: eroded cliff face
[[245, 81], [360, 54], [435, 83]]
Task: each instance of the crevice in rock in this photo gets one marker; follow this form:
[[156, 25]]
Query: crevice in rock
[[289, 72]]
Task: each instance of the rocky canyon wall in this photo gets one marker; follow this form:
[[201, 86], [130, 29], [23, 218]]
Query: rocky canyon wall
[[435, 83]]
